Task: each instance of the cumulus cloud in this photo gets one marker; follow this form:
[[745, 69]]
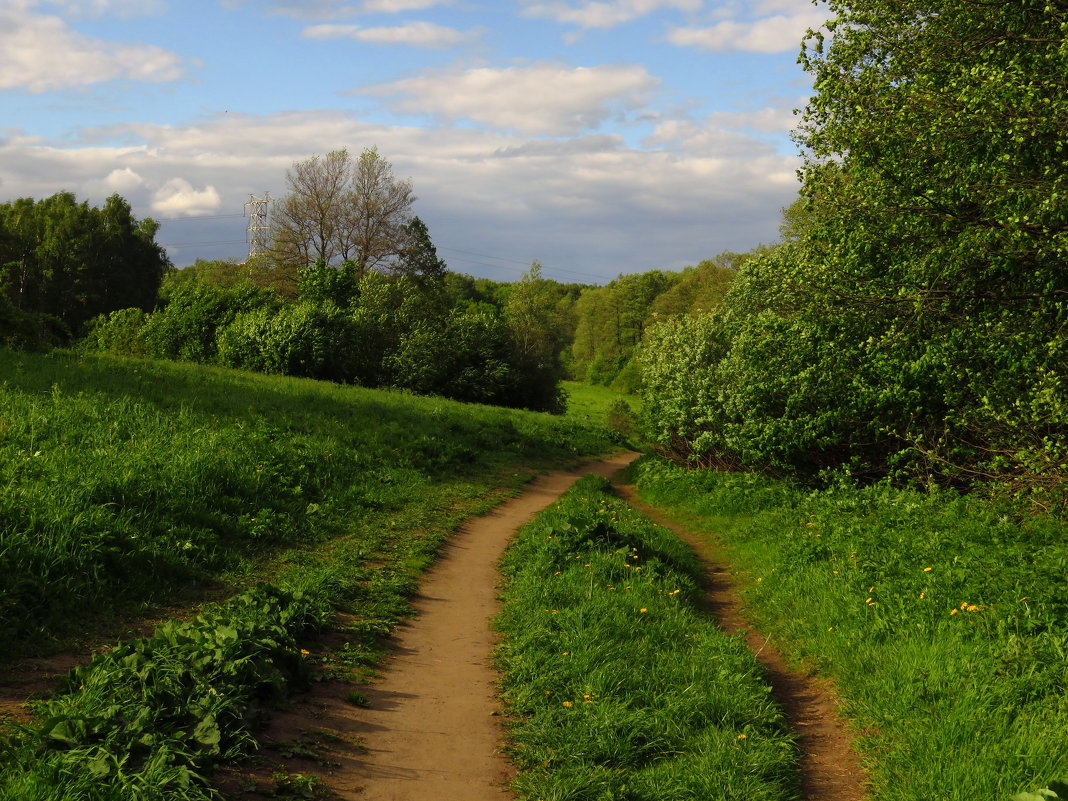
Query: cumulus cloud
[[417, 34], [590, 207], [777, 33], [537, 100], [341, 9], [602, 13], [179, 198], [42, 53]]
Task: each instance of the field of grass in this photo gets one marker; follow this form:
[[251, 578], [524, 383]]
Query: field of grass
[[130, 482], [617, 686], [943, 621], [594, 401], [126, 480]]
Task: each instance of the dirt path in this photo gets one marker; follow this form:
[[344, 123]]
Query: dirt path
[[830, 768], [431, 731]]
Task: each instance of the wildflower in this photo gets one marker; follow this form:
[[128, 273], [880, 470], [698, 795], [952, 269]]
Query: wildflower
[[830, 628], [760, 579], [741, 736], [953, 611], [304, 652], [928, 569], [974, 608], [548, 692], [922, 594], [565, 653], [868, 601], [643, 609], [568, 703]]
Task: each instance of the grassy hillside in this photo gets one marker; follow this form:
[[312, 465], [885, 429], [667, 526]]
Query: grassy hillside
[[941, 620], [127, 481]]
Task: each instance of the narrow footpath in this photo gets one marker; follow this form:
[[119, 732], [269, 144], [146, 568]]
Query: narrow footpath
[[830, 768], [432, 731]]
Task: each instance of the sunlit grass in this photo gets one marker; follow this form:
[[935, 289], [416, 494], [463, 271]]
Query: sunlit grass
[[126, 481], [942, 621], [618, 686]]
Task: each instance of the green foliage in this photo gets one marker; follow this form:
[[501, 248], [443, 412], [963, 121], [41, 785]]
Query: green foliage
[[940, 619], [148, 718], [61, 260], [302, 339], [617, 686], [914, 324]]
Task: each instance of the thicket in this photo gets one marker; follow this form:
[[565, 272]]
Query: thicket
[[914, 324], [63, 262], [616, 685], [348, 325]]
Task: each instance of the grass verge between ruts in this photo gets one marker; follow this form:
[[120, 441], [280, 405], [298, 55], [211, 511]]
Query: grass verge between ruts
[[941, 620], [617, 687]]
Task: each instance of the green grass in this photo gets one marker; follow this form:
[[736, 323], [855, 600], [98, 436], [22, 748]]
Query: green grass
[[618, 688], [943, 622], [130, 482], [126, 481], [593, 401]]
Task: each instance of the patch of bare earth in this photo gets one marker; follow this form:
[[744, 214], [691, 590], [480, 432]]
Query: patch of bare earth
[[830, 768], [432, 731]]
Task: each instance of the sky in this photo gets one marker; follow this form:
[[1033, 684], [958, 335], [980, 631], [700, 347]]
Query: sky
[[600, 137]]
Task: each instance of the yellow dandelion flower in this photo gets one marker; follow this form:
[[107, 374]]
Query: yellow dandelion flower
[[953, 611], [568, 703], [928, 569], [868, 601], [741, 736], [643, 609], [304, 652]]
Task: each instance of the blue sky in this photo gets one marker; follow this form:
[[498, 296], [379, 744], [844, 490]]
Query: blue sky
[[601, 137]]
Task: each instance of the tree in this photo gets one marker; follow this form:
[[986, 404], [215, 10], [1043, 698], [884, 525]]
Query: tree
[[339, 210], [418, 257], [539, 339], [914, 323], [69, 262]]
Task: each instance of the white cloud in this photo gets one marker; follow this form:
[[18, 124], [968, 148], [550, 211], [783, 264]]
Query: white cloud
[[342, 9], [602, 13], [178, 197], [588, 207], [416, 34], [123, 181], [541, 99], [42, 53], [774, 34]]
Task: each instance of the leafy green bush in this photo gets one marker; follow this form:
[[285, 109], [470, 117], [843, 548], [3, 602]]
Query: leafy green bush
[[149, 718]]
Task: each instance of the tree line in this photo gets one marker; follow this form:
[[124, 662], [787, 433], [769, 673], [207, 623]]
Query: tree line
[[912, 326]]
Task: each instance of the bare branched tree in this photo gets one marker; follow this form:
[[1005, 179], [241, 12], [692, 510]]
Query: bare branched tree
[[338, 210]]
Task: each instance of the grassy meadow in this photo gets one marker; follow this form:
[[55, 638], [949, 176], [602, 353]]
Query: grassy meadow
[[943, 622], [130, 483], [127, 480], [616, 685]]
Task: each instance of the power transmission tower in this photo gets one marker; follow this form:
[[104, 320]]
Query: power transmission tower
[[256, 233]]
